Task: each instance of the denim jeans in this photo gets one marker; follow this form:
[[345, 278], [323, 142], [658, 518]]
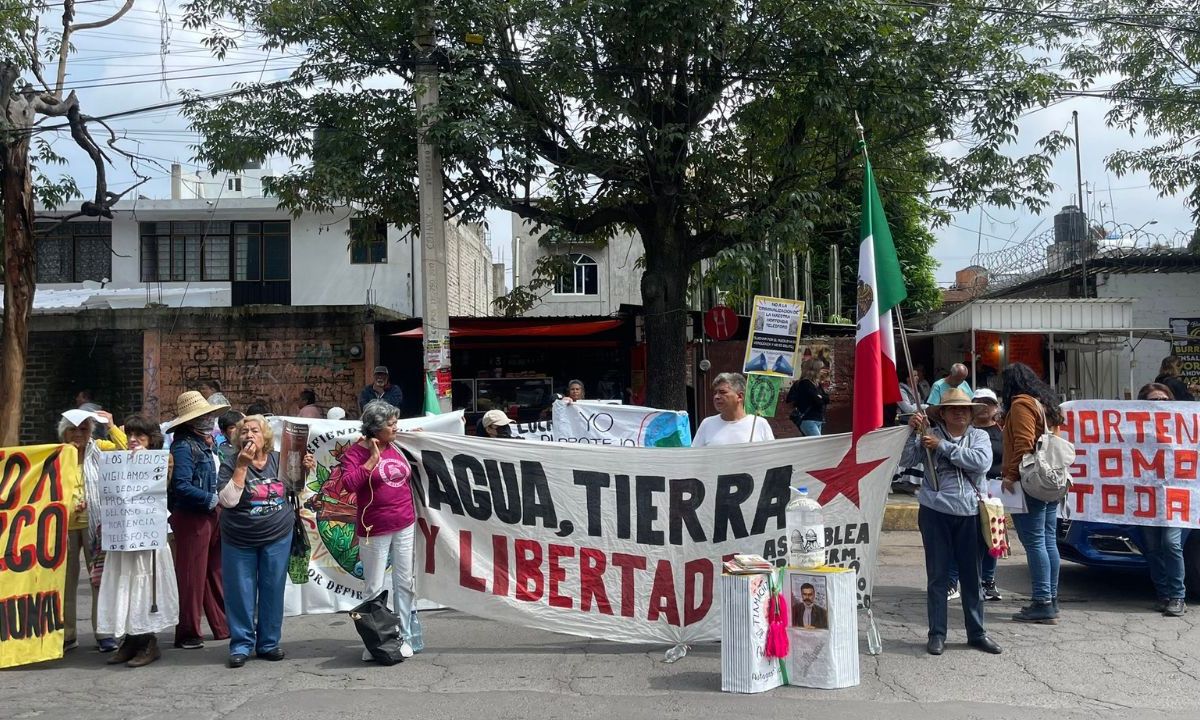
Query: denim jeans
[[1038, 530], [374, 553], [987, 567], [254, 580], [1164, 553], [948, 536], [811, 428]]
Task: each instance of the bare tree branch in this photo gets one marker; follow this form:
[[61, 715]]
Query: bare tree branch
[[69, 27]]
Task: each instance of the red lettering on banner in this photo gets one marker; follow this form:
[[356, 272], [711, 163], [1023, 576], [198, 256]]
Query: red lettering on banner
[[1112, 499], [591, 581], [1187, 428], [1112, 426], [662, 595], [1161, 433], [465, 578], [557, 574], [499, 565], [529, 567], [430, 532], [628, 563], [1185, 464], [1080, 490], [1179, 503], [1148, 493], [1079, 469], [1158, 464], [1068, 427], [1139, 418], [1089, 426], [694, 612], [1108, 462]]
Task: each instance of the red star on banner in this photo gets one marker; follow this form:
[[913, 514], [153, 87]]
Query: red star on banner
[[844, 479]]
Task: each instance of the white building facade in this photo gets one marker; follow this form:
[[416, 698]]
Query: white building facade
[[233, 250], [599, 280]]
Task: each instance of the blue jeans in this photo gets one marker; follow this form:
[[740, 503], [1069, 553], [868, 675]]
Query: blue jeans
[[987, 565], [948, 537], [254, 580], [1164, 553], [811, 428], [1038, 532]]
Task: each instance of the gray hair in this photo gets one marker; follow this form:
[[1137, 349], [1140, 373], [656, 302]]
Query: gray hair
[[735, 381], [65, 426], [375, 416]]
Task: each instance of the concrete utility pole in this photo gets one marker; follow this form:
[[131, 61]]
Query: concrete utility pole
[[435, 313]]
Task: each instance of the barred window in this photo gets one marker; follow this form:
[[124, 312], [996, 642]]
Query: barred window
[[185, 251], [74, 251]]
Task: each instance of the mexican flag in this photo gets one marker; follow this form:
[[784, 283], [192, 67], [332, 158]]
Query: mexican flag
[[880, 288], [431, 406]]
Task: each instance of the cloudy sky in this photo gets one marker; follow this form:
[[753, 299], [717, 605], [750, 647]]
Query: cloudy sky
[[123, 67]]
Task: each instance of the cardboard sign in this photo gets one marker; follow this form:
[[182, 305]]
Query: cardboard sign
[[774, 336], [133, 500]]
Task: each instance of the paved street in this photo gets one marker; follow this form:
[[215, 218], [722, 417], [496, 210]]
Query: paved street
[[1110, 658]]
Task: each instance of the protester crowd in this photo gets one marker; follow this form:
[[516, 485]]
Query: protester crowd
[[232, 517]]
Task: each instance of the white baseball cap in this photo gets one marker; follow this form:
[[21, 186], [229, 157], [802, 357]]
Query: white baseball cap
[[986, 395], [495, 417]]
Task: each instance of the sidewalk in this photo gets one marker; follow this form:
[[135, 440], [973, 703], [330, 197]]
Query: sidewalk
[[901, 512]]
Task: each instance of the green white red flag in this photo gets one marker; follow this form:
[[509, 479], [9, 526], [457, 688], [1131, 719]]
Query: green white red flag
[[880, 289]]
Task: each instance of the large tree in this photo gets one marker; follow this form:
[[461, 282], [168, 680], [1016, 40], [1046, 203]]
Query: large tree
[[700, 124], [28, 95], [1144, 58]]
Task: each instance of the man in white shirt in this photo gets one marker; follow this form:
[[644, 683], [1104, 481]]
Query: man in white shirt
[[732, 425]]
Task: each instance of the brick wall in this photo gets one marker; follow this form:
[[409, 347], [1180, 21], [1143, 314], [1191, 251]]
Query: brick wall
[[59, 364], [270, 358], [729, 356]]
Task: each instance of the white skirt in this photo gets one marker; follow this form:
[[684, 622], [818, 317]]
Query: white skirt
[[125, 597]]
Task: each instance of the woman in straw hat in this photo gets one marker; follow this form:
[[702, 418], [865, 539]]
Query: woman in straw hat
[[956, 457], [192, 499]]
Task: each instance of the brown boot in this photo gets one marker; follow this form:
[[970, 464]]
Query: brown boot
[[129, 648], [148, 653]]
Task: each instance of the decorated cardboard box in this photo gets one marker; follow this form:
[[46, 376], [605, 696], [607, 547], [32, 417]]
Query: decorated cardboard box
[[823, 636], [745, 600]]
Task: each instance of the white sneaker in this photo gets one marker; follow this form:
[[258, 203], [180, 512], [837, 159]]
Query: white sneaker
[[367, 656], [405, 650], [954, 593]]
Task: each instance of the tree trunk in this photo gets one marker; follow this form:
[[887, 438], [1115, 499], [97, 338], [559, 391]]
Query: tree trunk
[[664, 297], [19, 280]]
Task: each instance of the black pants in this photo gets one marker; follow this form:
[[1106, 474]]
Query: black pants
[[948, 536]]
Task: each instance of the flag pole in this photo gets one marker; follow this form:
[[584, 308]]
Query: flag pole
[[912, 375]]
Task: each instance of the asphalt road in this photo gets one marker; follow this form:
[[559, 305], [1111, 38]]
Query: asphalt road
[[1111, 657]]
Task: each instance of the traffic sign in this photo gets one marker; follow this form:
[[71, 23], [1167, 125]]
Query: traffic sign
[[720, 323]]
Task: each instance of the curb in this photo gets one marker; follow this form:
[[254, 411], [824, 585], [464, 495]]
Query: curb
[[900, 514]]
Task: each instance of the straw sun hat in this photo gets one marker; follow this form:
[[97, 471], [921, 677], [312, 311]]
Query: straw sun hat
[[190, 406], [952, 397]]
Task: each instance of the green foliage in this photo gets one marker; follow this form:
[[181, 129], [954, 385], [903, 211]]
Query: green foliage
[[1152, 50]]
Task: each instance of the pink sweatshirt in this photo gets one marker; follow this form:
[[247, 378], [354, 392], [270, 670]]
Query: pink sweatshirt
[[384, 495]]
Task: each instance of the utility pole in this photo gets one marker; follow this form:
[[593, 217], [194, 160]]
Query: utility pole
[[1083, 229], [435, 311]]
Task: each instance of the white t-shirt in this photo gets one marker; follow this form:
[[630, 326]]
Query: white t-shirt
[[715, 431]]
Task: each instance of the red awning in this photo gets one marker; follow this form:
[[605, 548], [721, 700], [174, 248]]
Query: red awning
[[478, 328]]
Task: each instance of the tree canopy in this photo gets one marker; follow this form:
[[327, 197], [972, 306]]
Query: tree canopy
[[700, 124]]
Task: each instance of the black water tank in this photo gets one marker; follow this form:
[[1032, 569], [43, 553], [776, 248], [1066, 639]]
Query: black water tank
[[1070, 224]]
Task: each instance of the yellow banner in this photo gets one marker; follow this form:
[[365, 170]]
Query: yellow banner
[[35, 482]]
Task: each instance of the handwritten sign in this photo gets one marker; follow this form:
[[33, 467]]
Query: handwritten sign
[[133, 500]]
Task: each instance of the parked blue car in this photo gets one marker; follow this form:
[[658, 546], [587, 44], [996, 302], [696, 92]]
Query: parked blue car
[[1105, 545]]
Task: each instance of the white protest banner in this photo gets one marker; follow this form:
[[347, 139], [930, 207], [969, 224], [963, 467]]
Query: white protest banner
[[133, 500], [596, 423], [540, 431], [774, 336], [328, 511], [1136, 461], [626, 544]]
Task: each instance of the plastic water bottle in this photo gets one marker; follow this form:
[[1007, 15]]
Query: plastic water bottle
[[416, 633], [806, 531]]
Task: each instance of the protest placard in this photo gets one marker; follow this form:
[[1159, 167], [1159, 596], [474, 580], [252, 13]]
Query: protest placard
[[291, 454], [626, 544], [1185, 344], [762, 394], [38, 486], [133, 500], [774, 336], [1136, 461]]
